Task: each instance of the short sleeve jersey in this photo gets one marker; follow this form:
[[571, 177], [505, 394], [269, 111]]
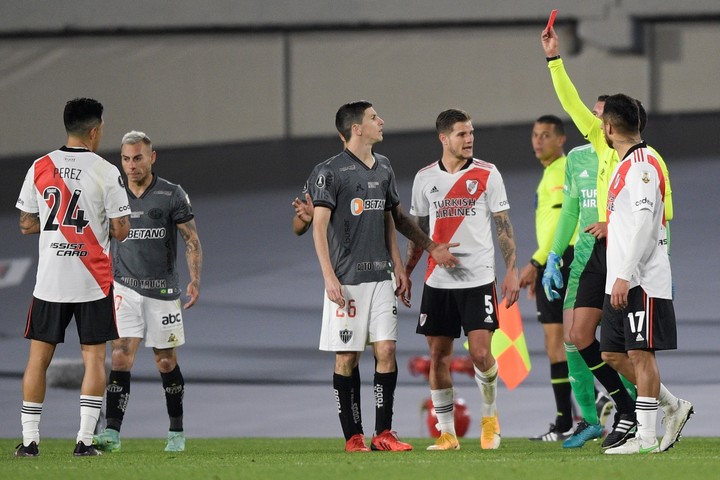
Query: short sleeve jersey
[[147, 260], [74, 192], [638, 184], [460, 206], [358, 197]]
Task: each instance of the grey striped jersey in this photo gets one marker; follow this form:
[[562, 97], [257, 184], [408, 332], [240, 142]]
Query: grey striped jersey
[[358, 197], [147, 260]]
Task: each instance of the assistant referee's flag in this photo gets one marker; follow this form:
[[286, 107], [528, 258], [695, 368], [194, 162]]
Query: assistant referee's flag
[[509, 346]]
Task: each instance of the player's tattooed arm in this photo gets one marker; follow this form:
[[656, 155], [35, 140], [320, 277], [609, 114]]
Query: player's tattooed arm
[[414, 252], [193, 255], [410, 229], [29, 223], [506, 238], [120, 227]]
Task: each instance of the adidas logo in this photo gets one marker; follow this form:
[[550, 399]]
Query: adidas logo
[[434, 190], [488, 319], [584, 174], [639, 338]]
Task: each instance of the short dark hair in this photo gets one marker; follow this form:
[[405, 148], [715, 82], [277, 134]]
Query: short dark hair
[[447, 119], [82, 114], [643, 115], [553, 120], [602, 98], [623, 113], [349, 115]]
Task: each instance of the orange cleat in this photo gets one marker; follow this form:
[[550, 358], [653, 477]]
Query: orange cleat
[[356, 444], [389, 441]]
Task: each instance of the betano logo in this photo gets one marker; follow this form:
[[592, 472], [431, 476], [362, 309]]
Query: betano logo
[[358, 205]]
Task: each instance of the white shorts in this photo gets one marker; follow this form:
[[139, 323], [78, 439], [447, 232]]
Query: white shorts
[[369, 316], [159, 322]]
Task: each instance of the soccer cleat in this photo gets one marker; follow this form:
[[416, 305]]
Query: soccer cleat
[[389, 441], [490, 433], [555, 434], [82, 450], [622, 430], [175, 442], [356, 443], [27, 451], [674, 423], [633, 446], [604, 406], [446, 441], [108, 440], [584, 432]]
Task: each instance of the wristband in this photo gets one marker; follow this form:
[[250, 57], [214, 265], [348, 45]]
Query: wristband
[[535, 263], [550, 59]]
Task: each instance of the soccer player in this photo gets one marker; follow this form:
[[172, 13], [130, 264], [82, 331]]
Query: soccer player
[[147, 291], [355, 196], [454, 200], [638, 315], [578, 211], [677, 411], [548, 140], [76, 201]]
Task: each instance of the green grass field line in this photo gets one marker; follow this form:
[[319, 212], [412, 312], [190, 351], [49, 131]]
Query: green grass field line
[[322, 458]]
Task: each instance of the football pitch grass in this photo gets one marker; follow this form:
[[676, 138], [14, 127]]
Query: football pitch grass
[[322, 458]]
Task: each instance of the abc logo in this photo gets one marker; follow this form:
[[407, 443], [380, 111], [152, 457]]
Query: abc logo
[[171, 319]]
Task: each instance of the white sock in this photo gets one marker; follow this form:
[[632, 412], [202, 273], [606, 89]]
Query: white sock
[[30, 419], [487, 383], [89, 414], [444, 403], [646, 409], [667, 400]]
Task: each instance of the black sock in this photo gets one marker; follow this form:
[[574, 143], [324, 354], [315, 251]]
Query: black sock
[[355, 394], [349, 419], [608, 378], [117, 395], [174, 386], [563, 391], [385, 384]]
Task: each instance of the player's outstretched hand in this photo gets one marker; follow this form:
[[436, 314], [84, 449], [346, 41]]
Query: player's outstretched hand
[[440, 252], [552, 276]]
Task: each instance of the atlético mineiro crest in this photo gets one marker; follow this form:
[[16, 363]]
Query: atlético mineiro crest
[[472, 186], [345, 335]]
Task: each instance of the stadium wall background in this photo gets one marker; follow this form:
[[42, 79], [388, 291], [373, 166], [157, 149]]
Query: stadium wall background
[[247, 90]]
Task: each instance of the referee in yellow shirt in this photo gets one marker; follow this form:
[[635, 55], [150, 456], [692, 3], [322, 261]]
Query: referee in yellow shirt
[[548, 140]]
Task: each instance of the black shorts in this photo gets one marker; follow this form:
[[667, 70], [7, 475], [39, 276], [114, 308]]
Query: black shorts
[[95, 320], [547, 311], [645, 324], [591, 285], [444, 310]]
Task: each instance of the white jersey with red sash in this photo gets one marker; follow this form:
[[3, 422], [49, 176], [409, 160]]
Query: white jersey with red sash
[[460, 206], [637, 183], [74, 192]]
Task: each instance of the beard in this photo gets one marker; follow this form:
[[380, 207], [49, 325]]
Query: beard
[[608, 141]]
